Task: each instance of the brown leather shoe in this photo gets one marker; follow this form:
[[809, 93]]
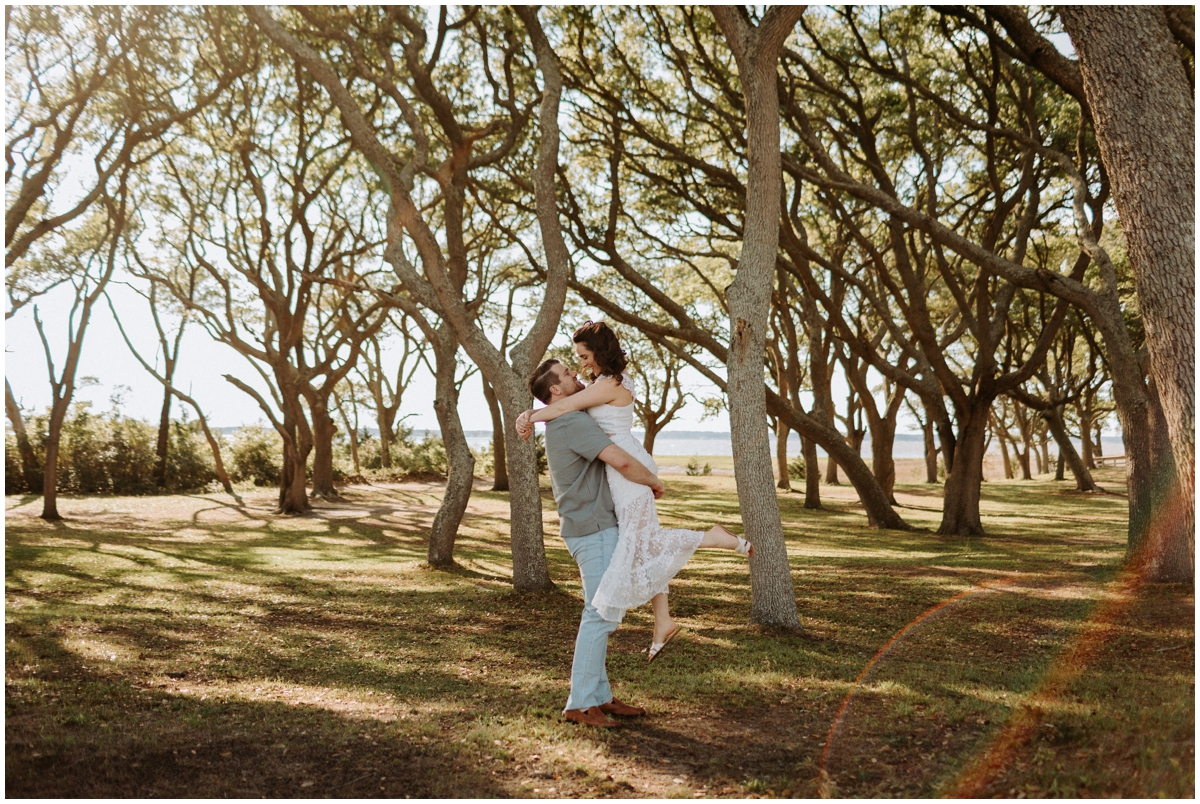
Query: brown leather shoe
[[592, 716], [615, 707]]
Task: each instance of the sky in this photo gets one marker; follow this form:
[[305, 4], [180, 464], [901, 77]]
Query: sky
[[119, 378], [117, 373]]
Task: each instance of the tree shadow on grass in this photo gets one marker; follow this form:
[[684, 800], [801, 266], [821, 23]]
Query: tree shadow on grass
[[158, 743], [321, 629]]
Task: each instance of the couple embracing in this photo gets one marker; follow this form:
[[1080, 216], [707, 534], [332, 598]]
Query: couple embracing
[[605, 485]]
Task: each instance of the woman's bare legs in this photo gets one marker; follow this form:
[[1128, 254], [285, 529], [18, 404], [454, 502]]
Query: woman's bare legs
[[663, 624], [717, 536]]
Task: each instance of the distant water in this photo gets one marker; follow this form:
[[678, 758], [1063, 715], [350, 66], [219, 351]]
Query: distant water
[[705, 443]]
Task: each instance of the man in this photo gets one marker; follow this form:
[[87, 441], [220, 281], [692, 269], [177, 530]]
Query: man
[[577, 449]]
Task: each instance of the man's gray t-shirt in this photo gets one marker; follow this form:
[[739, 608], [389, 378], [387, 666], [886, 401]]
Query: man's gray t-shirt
[[585, 505]]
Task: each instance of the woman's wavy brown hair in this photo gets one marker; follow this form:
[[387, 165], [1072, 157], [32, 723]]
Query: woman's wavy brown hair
[[606, 349]]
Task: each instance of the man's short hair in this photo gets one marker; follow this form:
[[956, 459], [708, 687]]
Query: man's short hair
[[542, 380]]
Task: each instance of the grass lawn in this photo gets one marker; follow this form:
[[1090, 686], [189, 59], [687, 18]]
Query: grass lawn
[[202, 646]]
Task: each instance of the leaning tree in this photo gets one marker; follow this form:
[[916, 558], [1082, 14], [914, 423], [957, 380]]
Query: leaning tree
[[465, 103]]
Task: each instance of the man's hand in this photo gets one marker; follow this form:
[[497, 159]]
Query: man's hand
[[524, 426]]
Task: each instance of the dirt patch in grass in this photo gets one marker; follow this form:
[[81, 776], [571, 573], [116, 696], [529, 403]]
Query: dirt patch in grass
[[201, 646]]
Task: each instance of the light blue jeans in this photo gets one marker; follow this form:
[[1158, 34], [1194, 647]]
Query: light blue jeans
[[589, 675]]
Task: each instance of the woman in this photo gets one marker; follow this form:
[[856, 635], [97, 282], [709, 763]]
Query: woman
[[647, 557]]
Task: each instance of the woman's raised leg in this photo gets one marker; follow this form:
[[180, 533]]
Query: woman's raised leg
[[721, 537]]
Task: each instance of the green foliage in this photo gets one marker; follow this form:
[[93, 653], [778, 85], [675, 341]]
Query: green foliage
[[256, 456], [189, 459], [81, 467], [797, 468], [112, 454], [14, 473], [424, 459], [370, 451], [485, 459], [539, 451], [694, 468]]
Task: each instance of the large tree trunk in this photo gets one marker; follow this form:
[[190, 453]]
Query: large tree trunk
[[998, 429], [50, 473], [756, 50], [164, 436], [499, 458], [1085, 431], [960, 498], [530, 571], [293, 489], [781, 454], [1159, 540], [352, 434], [1143, 110], [831, 470], [819, 371], [29, 467], [385, 420], [931, 451], [648, 438], [1067, 452], [882, 425], [1023, 461], [812, 474], [323, 431], [883, 442], [460, 469], [1043, 451], [1027, 445]]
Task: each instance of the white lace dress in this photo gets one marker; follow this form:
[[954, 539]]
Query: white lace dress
[[647, 557]]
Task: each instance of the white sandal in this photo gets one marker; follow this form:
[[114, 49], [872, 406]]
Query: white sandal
[[743, 545], [656, 647]]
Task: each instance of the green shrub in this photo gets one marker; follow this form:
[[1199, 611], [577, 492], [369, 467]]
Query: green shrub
[[256, 455], [539, 451], [129, 456], [81, 467], [425, 458], [370, 450], [14, 472], [111, 454], [14, 475], [695, 469], [797, 467], [189, 459], [485, 459]]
